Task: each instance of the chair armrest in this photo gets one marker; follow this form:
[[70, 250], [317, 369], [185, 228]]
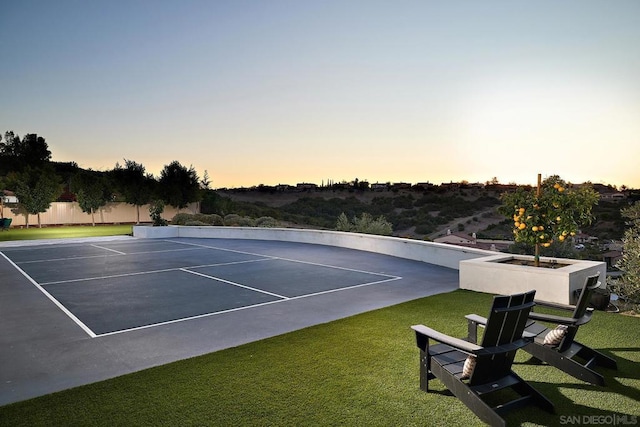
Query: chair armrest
[[555, 305], [457, 343], [474, 318], [553, 318], [473, 321]]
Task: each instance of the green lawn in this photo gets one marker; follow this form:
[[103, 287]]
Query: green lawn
[[63, 232], [361, 371]]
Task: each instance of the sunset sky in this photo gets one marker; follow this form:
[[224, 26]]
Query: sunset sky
[[308, 91]]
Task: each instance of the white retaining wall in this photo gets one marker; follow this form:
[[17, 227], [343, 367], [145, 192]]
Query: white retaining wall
[[429, 252]]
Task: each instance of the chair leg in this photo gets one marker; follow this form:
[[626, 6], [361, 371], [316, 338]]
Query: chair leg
[[425, 371], [569, 365], [596, 358], [524, 389], [462, 391]]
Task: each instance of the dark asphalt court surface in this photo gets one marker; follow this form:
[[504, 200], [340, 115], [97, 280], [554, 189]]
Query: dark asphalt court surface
[[72, 313]]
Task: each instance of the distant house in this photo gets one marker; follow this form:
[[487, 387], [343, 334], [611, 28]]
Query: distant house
[[470, 241], [8, 197], [424, 186], [504, 187], [400, 186], [306, 186], [613, 197], [611, 258], [450, 186], [456, 239], [284, 187], [584, 238], [379, 187]]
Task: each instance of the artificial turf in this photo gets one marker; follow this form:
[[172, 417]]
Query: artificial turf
[[64, 232], [358, 371]]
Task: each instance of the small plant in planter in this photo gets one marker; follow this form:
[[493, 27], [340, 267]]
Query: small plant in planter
[[552, 212], [155, 211]]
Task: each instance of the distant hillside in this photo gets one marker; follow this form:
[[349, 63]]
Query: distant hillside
[[422, 215], [415, 214]]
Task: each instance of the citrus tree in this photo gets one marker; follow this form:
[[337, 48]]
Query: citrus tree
[[552, 212]]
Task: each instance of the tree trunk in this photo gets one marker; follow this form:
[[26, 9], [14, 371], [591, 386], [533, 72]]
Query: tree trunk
[[93, 220], [536, 258]]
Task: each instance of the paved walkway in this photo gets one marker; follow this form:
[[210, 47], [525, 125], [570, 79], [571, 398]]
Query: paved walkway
[[43, 351]]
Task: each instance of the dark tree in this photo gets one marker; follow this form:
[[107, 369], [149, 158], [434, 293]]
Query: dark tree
[[16, 154], [133, 184], [36, 189], [34, 149], [92, 191], [9, 147], [179, 186]]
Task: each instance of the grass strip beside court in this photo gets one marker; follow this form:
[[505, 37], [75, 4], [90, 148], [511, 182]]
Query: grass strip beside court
[[64, 232], [361, 370]]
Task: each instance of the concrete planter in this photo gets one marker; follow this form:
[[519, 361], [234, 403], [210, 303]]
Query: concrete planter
[[492, 275]]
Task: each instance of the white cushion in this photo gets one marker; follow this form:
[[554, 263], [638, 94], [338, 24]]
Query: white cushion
[[467, 369], [554, 336]]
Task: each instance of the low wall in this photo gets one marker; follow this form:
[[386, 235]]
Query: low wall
[[429, 252]]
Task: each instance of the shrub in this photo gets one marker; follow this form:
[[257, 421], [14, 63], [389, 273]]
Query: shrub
[[208, 219], [266, 221], [343, 223], [628, 285], [235, 220], [181, 218], [364, 224]]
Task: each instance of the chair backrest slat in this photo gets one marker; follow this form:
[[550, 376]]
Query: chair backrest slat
[[505, 324], [590, 285]]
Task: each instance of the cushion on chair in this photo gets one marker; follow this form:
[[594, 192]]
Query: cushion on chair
[[554, 336], [468, 367]]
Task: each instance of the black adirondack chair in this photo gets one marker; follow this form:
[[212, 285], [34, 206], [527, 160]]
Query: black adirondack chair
[[569, 355], [493, 360]]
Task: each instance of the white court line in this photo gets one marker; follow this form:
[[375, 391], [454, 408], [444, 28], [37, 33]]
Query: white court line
[[218, 279], [231, 310], [73, 258], [220, 249], [55, 301], [288, 259], [109, 249], [137, 273]]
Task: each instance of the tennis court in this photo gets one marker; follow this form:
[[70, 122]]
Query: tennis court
[[116, 287], [82, 311]]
